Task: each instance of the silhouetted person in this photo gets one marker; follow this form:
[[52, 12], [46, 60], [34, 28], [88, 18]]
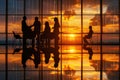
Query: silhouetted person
[[37, 26], [89, 35], [46, 33], [56, 30], [27, 31], [90, 51], [56, 56], [27, 53], [24, 29], [47, 57], [47, 51], [36, 58]]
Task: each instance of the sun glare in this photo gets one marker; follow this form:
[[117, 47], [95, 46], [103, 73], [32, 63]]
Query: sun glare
[[72, 35], [72, 50]]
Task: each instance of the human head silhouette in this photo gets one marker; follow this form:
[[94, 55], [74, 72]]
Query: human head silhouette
[[36, 18], [90, 27], [56, 19], [46, 23], [24, 18]]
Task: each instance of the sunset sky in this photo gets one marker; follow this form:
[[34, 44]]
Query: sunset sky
[[71, 10], [71, 19]]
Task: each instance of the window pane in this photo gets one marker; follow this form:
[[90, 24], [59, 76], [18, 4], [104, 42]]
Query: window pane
[[91, 6], [14, 23], [2, 24], [2, 61], [71, 7], [2, 29], [110, 23], [110, 6], [32, 6], [2, 75], [2, 7], [51, 6], [110, 38], [92, 75], [15, 6]]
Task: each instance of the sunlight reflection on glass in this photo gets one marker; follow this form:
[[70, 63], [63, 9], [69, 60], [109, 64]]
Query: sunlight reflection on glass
[[71, 37], [70, 49]]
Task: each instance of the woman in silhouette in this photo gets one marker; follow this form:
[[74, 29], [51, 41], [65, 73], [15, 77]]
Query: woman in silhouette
[[56, 30], [47, 33]]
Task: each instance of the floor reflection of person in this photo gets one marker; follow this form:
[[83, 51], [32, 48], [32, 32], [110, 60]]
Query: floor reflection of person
[[89, 35], [56, 57], [90, 51], [36, 58], [47, 52], [27, 55]]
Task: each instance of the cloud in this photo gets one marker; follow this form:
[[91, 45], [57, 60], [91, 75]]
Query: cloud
[[110, 69], [95, 20], [69, 4], [107, 19], [112, 8], [69, 13]]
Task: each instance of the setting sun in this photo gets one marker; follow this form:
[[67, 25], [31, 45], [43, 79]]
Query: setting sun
[[72, 50], [72, 35]]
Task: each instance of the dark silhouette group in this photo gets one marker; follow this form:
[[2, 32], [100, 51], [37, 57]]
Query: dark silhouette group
[[27, 31], [37, 28], [35, 34], [27, 54], [32, 53], [48, 51], [43, 42]]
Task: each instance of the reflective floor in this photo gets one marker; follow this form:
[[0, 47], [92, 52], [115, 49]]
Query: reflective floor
[[77, 21], [64, 62]]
